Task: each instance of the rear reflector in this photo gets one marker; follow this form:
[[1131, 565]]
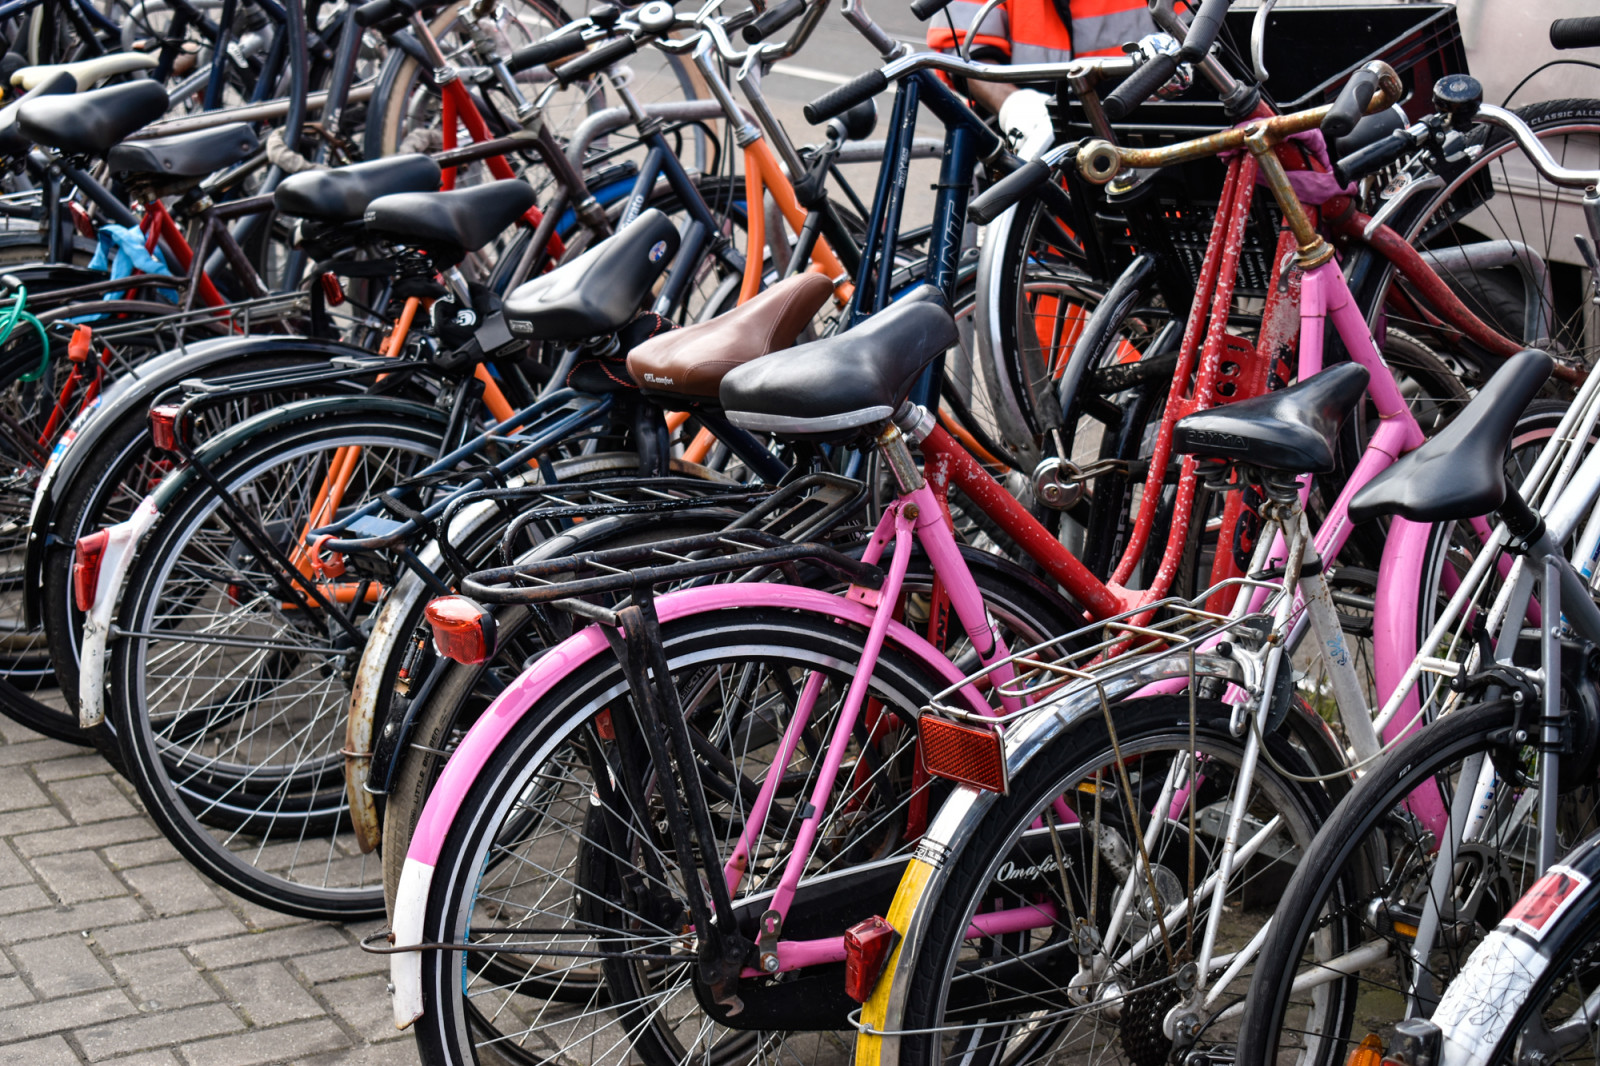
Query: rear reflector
[[866, 951], [86, 560], [462, 630], [164, 428], [1368, 1053], [965, 754]]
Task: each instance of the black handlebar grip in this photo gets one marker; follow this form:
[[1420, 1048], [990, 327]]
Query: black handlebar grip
[[773, 19], [1008, 192], [599, 59], [926, 9], [1203, 30], [1350, 106], [561, 45], [1373, 158], [1575, 33], [374, 11], [1139, 86], [837, 101]]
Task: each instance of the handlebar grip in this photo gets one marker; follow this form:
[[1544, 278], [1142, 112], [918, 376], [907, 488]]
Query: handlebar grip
[[599, 59], [1350, 106], [1139, 87], [926, 9], [1203, 30], [1373, 158], [773, 19], [374, 11], [837, 101], [1008, 192], [559, 46], [1575, 33]]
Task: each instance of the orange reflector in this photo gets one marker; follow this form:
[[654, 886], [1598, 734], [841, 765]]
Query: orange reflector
[[462, 630], [1406, 929], [965, 754], [164, 429], [1369, 1053], [86, 560], [866, 951]]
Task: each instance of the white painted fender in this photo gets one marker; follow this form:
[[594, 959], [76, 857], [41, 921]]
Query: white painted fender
[[405, 967], [114, 567]]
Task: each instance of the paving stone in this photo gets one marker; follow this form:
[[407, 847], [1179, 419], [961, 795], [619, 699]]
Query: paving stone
[[50, 1051], [14, 990], [12, 869], [90, 765], [93, 799], [18, 791], [172, 888], [339, 964], [267, 993], [16, 928], [287, 1043], [78, 876], [149, 1058], [163, 979], [38, 751], [80, 838], [19, 898], [161, 1029], [363, 1002], [63, 1015], [33, 820], [140, 853], [62, 965], [280, 943], [169, 932]]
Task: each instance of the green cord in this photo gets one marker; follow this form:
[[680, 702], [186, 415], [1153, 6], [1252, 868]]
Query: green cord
[[8, 323]]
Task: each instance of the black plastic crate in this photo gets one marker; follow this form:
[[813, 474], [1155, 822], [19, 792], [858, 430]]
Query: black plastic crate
[[1310, 52]]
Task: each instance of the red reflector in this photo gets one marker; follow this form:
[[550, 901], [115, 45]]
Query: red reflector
[[332, 291], [965, 754], [462, 630], [80, 344], [164, 427], [90, 553], [866, 951]]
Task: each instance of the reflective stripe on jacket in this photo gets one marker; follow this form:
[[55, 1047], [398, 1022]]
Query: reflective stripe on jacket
[[1031, 31]]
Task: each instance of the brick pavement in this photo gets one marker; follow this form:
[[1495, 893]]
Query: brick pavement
[[113, 950]]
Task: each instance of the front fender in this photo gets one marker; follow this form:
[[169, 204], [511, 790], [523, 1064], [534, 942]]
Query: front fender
[[523, 694], [958, 821], [114, 567]]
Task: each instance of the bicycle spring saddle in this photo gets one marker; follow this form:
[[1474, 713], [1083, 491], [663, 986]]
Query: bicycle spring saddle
[[846, 385], [687, 365], [13, 142], [85, 73], [190, 156], [450, 224], [600, 291], [1294, 430], [345, 193], [90, 123], [1460, 472]]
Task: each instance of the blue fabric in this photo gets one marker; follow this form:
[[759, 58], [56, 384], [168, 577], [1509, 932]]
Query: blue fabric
[[120, 251]]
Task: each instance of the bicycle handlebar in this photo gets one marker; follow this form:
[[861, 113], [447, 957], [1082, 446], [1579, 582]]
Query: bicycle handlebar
[[1010, 190], [596, 60], [1351, 104], [773, 19], [1575, 33], [926, 9], [1534, 149], [837, 101], [1152, 74], [558, 46]]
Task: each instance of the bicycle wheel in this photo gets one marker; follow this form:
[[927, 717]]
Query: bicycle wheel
[[228, 695], [1501, 238], [533, 846], [1527, 992], [1044, 945], [1373, 927]]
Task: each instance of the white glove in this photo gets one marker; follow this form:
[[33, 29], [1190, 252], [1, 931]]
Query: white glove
[[1025, 121]]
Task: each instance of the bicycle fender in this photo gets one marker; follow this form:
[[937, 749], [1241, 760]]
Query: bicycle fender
[[959, 820], [114, 567], [525, 693]]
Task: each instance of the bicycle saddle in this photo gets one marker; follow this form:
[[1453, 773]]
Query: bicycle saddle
[[343, 194], [13, 141], [1460, 472], [85, 73], [690, 363], [90, 123], [835, 388], [1294, 430], [185, 155], [450, 224], [600, 291]]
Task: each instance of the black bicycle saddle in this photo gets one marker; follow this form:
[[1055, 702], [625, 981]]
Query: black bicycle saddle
[[185, 155], [1460, 472], [1294, 430], [13, 141], [448, 225], [840, 386], [600, 291], [344, 193], [90, 123]]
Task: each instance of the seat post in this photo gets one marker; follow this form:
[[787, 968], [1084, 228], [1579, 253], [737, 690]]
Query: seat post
[[897, 453]]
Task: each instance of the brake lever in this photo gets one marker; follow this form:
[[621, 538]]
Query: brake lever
[[1258, 41]]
